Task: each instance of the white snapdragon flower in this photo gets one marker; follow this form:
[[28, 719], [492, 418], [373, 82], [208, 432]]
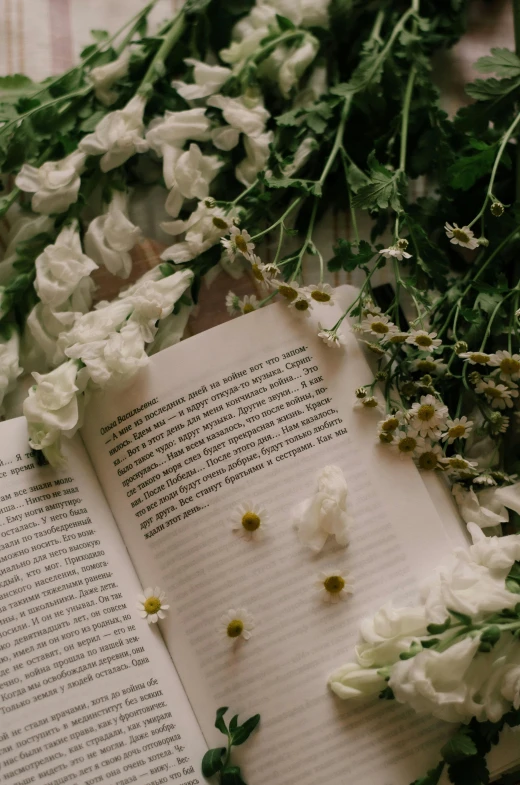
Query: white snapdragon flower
[[388, 632], [208, 79], [248, 33], [483, 508], [110, 237], [244, 116], [167, 136], [52, 404], [43, 328], [113, 362], [296, 60], [118, 135], [9, 364], [353, 681], [55, 184], [97, 325], [190, 177], [257, 155], [61, 268], [316, 86], [325, 512], [154, 300], [202, 229], [301, 156], [105, 76]]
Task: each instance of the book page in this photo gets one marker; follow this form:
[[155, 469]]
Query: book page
[[88, 693], [251, 410]]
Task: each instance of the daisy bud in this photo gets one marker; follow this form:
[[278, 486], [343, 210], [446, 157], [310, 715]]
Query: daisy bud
[[210, 202], [361, 392], [460, 347], [408, 389], [402, 244], [386, 438], [483, 242], [426, 380], [497, 208], [381, 376], [475, 377]]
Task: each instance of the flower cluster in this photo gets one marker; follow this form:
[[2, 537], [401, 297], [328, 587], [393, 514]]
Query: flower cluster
[[456, 655]]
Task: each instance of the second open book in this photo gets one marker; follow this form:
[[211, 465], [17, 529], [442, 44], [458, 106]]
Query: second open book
[[248, 411]]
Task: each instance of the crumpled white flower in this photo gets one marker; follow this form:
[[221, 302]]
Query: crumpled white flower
[[295, 62], [96, 325], [208, 79], [113, 362], [353, 681], [61, 267], [243, 115], [190, 177], [167, 135], [153, 300], [257, 150], [52, 403], [9, 364], [55, 184], [118, 135], [483, 508], [390, 631], [110, 237], [202, 229], [105, 76], [43, 328], [325, 512], [301, 156]]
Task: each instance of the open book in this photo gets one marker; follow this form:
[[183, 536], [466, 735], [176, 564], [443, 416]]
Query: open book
[[89, 692]]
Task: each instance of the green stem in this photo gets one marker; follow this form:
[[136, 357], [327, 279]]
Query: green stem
[[156, 68], [338, 139], [492, 318], [406, 117], [307, 240], [279, 220], [46, 105]]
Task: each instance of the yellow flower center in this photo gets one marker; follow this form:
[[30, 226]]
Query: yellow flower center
[[257, 272], [423, 340], [426, 412], [408, 444], [250, 521], [301, 305], [493, 392], [219, 223], [426, 366], [152, 605], [386, 437], [248, 308], [509, 365], [241, 243], [456, 431], [399, 338], [288, 292], [235, 628], [334, 584], [370, 403], [461, 235], [428, 461], [320, 297], [479, 357], [390, 424], [379, 327]]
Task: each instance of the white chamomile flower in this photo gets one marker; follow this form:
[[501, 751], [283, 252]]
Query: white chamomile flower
[[290, 289], [461, 235], [391, 422], [249, 521], [395, 252], [476, 358], [333, 338], [407, 442], [333, 585], [368, 402], [370, 308], [509, 365], [499, 423], [262, 272], [499, 395], [321, 293], [302, 304], [151, 605], [238, 242], [484, 479], [427, 342], [233, 304], [459, 428], [429, 457], [396, 336], [248, 304], [378, 325], [237, 623], [457, 464], [428, 415]]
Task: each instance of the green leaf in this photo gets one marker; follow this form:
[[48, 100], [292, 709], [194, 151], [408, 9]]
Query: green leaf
[[459, 747], [461, 617], [387, 694], [356, 178], [437, 629], [231, 775], [385, 188], [502, 62], [432, 776], [491, 634], [513, 582], [467, 169], [219, 720], [89, 125], [244, 731], [233, 723], [307, 186], [284, 23], [348, 256], [290, 118], [488, 89], [15, 83], [470, 771], [367, 72], [195, 7], [213, 761]]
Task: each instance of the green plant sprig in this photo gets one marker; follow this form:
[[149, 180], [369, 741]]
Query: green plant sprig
[[218, 759]]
